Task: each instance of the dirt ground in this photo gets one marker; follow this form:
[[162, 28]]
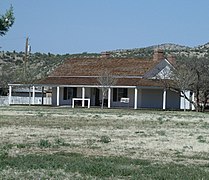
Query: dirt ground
[[165, 136]]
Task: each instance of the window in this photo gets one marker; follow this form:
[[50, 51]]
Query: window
[[69, 93], [119, 93]]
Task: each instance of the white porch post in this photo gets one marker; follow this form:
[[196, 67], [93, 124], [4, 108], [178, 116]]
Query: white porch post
[[83, 96], [33, 95], [193, 99], [10, 95], [58, 95], [42, 95], [184, 102], [109, 97], [135, 98], [164, 99]]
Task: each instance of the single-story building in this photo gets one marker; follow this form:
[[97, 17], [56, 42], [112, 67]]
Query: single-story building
[[136, 82]]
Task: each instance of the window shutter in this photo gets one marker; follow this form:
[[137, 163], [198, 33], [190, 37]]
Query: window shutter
[[65, 93], [74, 92], [125, 93], [115, 94]]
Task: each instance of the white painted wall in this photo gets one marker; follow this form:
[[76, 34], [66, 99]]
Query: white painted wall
[[62, 101], [54, 96], [164, 73], [131, 96], [185, 103], [139, 102], [88, 95], [88, 92], [152, 98], [120, 104], [79, 92], [69, 101], [92, 97]]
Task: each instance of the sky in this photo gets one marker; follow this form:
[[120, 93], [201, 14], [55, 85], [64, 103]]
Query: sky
[[76, 26]]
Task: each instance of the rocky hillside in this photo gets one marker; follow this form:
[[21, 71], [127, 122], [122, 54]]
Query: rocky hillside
[[174, 49], [40, 64]]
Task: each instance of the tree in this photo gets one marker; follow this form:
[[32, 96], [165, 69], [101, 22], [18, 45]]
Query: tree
[[6, 21], [106, 80], [192, 74], [164, 76], [5, 77]]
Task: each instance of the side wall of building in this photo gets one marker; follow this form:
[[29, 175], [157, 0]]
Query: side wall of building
[[173, 100], [122, 104], [184, 103], [151, 98], [54, 96]]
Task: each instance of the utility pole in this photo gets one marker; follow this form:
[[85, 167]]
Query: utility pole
[[26, 57], [27, 51]]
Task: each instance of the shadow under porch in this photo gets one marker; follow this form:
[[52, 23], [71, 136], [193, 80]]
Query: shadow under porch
[[137, 97]]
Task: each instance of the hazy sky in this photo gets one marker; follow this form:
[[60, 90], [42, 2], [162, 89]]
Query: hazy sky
[[75, 26]]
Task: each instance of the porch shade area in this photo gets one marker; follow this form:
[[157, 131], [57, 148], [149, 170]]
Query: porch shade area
[[135, 97], [28, 94]]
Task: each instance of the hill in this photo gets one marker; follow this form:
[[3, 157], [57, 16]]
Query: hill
[[40, 64], [174, 49]]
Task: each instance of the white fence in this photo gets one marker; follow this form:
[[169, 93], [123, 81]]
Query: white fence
[[4, 100]]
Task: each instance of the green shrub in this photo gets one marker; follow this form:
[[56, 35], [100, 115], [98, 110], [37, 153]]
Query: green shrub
[[22, 146], [44, 143], [105, 139], [201, 139], [3, 154], [59, 141]]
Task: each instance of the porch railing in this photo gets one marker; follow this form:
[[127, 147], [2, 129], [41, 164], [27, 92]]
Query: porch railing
[[4, 100]]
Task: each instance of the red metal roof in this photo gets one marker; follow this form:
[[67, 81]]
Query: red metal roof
[[94, 67], [93, 81], [127, 71]]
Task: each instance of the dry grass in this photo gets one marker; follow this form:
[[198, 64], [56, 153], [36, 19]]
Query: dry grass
[[157, 136]]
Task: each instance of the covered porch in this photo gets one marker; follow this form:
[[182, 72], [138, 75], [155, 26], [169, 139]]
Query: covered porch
[[27, 94], [134, 97]]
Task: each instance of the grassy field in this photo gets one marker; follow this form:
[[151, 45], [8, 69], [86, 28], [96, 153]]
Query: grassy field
[[65, 143]]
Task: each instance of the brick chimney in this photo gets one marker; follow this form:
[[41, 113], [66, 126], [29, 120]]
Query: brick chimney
[[171, 59], [158, 55]]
